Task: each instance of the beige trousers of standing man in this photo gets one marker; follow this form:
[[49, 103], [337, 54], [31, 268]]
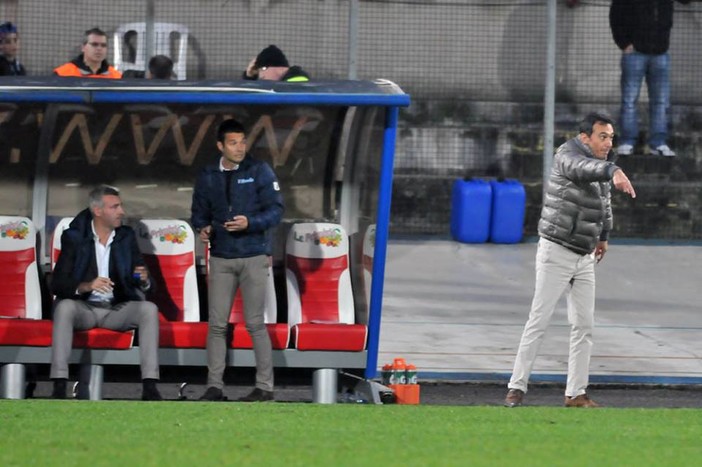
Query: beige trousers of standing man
[[225, 277], [559, 270]]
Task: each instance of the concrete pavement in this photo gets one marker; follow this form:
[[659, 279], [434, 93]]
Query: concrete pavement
[[457, 312]]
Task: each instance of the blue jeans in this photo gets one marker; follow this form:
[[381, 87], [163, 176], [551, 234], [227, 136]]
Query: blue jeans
[[656, 69]]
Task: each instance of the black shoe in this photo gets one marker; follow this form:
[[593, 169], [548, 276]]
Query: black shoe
[[59, 391], [150, 391], [257, 395], [213, 394], [29, 390]]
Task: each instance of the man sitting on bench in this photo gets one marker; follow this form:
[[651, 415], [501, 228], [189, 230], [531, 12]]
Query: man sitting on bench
[[100, 280]]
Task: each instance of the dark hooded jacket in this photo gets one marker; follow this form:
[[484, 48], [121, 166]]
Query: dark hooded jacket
[[77, 262], [11, 68], [645, 24]]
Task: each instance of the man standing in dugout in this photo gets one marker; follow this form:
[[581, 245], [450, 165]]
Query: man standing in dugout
[[235, 202], [576, 219]]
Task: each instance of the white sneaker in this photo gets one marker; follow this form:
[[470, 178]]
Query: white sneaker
[[625, 149], [664, 150]]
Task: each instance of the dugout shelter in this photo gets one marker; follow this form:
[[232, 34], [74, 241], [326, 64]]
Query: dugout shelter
[[330, 143]]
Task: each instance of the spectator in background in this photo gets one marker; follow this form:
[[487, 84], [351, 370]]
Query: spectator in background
[[574, 227], [133, 74], [92, 62], [235, 202], [9, 46], [641, 29], [160, 67], [99, 281], [272, 64]]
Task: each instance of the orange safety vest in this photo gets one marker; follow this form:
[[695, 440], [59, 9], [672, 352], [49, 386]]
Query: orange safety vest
[[71, 69]]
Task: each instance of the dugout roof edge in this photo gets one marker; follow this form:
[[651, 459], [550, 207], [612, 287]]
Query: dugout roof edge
[[86, 90]]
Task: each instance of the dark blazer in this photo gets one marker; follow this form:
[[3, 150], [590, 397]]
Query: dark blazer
[[77, 262]]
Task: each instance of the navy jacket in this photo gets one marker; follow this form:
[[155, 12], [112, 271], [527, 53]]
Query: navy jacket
[[11, 68], [253, 192], [77, 261]]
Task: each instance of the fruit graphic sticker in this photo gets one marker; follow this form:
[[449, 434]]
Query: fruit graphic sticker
[[171, 234], [327, 237], [14, 230]]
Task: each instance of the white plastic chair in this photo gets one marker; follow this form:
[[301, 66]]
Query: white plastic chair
[[170, 39]]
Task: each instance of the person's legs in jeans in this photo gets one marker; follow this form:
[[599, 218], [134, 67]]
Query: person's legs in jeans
[[254, 282], [581, 315], [658, 83], [223, 281], [633, 67]]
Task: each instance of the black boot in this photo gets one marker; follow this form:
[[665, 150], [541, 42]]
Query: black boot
[[59, 391], [150, 391]]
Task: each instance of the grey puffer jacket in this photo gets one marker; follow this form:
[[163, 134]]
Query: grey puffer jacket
[[577, 211]]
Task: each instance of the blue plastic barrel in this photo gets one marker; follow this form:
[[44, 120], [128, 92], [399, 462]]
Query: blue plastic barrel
[[470, 210], [508, 209]]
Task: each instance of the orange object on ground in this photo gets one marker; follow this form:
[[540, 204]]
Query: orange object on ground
[[407, 394]]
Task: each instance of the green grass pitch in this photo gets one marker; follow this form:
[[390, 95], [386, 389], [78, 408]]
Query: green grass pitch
[[85, 433]]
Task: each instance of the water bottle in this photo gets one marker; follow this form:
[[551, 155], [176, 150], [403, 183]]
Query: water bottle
[[386, 374], [411, 374], [399, 368]]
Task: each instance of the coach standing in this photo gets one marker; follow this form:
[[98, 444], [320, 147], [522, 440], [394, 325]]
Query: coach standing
[[576, 219], [236, 202]]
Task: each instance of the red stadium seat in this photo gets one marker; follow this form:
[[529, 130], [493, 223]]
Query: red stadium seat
[[20, 295], [20, 299], [168, 247], [320, 298], [278, 332]]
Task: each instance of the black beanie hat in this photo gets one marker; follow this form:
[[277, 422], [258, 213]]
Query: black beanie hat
[[271, 56]]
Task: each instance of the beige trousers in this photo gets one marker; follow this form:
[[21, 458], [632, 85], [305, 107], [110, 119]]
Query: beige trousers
[[560, 270]]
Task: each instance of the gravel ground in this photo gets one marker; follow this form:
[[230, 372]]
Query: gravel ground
[[432, 393]]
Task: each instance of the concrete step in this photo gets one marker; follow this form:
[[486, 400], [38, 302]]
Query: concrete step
[[663, 208]]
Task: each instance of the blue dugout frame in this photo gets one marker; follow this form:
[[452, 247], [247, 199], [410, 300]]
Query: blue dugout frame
[[379, 93]]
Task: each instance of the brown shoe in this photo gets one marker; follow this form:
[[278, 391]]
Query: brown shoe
[[514, 398], [581, 401]]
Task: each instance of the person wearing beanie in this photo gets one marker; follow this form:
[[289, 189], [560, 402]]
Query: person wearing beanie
[[9, 45], [271, 64]]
